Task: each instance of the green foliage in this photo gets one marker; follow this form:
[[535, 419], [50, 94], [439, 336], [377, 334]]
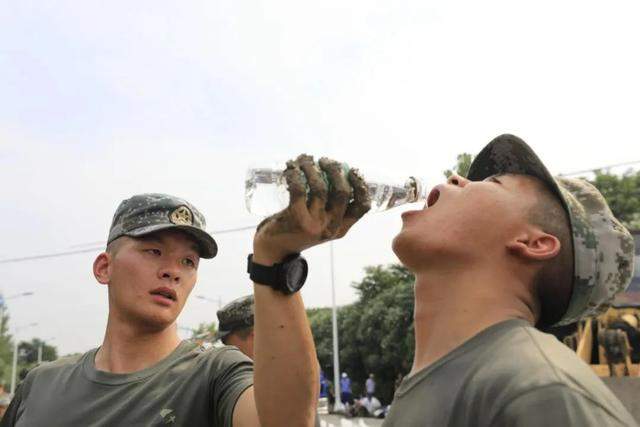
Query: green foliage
[[463, 163], [622, 193], [27, 354], [205, 331], [6, 351], [28, 351], [375, 333]]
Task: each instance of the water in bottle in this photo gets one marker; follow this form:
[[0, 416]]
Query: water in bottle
[[266, 192]]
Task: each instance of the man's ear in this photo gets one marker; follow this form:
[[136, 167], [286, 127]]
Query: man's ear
[[535, 245], [102, 268]]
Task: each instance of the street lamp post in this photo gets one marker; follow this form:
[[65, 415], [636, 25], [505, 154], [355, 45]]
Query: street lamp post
[[334, 320], [15, 356]]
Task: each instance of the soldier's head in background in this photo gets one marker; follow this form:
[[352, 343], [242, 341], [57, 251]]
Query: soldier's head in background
[[235, 324]]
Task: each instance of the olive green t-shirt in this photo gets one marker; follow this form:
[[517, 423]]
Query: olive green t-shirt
[[193, 386], [510, 374]]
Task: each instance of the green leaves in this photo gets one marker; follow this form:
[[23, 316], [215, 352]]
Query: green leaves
[[622, 193], [375, 333], [463, 163]]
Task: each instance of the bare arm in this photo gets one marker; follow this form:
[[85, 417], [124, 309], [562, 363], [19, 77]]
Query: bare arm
[[286, 380]]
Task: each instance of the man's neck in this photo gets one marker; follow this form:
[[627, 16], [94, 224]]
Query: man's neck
[[126, 349], [453, 306]]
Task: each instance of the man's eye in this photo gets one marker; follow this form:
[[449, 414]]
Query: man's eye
[[153, 251], [189, 262]]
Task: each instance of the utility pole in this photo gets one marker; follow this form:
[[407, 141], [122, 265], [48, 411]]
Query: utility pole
[[334, 320]]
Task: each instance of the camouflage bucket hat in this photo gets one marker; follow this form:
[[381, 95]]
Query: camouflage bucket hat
[[603, 249], [238, 314], [143, 214]]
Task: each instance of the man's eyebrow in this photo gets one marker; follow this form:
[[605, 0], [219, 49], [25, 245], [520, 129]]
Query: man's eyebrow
[[160, 240], [150, 239]]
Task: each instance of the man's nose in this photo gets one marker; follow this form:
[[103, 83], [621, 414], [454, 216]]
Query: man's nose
[[169, 272], [457, 180]]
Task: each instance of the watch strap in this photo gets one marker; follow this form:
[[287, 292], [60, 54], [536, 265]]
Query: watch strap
[[265, 275]]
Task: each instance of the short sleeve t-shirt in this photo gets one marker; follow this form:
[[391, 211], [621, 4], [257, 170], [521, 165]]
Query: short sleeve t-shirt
[[192, 386], [510, 374]]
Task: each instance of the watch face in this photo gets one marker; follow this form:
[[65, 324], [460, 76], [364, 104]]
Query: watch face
[[296, 274]]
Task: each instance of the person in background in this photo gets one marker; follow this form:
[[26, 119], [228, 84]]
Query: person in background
[[346, 396], [235, 325], [324, 385], [370, 386]]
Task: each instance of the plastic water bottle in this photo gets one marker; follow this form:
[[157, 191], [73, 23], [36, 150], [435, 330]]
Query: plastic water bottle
[[266, 192]]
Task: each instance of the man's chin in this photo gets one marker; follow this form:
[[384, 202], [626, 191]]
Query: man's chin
[[154, 322], [401, 246], [413, 252]]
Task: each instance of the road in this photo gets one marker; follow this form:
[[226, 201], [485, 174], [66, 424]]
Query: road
[[338, 421]]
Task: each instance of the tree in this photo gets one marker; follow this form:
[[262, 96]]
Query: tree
[[463, 163], [205, 331], [6, 350], [375, 333], [622, 193], [28, 351]]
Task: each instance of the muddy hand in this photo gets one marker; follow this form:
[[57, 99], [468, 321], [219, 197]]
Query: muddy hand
[[326, 213]]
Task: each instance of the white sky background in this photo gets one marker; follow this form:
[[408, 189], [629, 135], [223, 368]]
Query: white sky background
[[99, 102]]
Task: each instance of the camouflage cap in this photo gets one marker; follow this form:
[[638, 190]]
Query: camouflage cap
[[238, 314], [603, 249], [143, 214]]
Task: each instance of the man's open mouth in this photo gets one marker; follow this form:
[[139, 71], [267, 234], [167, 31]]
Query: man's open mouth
[[165, 292]]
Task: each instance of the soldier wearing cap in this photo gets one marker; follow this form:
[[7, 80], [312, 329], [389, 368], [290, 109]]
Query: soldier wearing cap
[[499, 255], [235, 324], [142, 374]]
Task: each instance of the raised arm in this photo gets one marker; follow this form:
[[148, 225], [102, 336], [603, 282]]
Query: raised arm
[[286, 368]]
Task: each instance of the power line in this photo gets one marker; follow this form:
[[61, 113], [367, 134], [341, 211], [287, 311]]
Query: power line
[[600, 168], [99, 247]]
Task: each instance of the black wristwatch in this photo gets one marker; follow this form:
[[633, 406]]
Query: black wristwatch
[[286, 277]]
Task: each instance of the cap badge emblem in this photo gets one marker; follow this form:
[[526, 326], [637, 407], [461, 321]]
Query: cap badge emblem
[[181, 216]]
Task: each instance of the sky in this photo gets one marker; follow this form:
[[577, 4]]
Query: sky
[[103, 100]]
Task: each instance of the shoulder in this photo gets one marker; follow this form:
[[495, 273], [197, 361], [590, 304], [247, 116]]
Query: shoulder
[[523, 360], [522, 356], [220, 361], [219, 354], [560, 404], [57, 366], [51, 371]]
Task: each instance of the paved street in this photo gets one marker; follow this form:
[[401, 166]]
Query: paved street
[[335, 420]]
